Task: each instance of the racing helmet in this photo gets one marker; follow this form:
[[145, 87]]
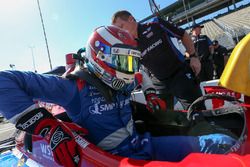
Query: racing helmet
[[112, 56]]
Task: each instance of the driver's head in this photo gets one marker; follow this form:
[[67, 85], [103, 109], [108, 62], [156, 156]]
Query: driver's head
[[126, 21], [112, 56]]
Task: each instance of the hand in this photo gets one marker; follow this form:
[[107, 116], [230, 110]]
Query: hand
[[153, 102], [195, 64], [65, 150]]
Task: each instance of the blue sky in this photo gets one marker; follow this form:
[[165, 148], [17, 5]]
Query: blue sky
[[68, 23]]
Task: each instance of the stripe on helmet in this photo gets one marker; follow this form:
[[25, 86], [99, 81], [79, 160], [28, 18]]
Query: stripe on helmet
[[107, 36]]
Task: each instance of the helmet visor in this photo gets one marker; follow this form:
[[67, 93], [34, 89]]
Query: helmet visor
[[125, 60]]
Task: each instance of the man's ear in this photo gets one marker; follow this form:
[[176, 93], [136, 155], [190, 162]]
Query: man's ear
[[131, 19]]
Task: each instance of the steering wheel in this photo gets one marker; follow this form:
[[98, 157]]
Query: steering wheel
[[234, 107]]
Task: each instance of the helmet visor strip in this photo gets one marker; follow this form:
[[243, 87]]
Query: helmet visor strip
[[125, 59]]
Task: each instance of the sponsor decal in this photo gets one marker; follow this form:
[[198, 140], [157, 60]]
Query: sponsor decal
[[146, 31], [98, 108], [97, 43], [151, 47], [107, 107], [200, 39], [94, 109], [150, 34], [229, 93], [44, 131], [235, 147], [189, 76], [31, 121], [97, 100], [92, 88], [95, 67], [81, 141], [46, 151], [118, 84], [58, 137], [94, 94], [221, 91], [126, 102], [135, 53], [107, 77], [115, 50]]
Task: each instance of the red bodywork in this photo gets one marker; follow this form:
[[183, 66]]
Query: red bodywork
[[94, 156]]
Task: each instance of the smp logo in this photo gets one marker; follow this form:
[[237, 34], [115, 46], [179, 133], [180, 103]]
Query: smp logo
[[99, 108], [94, 109]]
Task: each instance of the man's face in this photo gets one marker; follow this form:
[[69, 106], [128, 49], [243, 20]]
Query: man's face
[[197, 31], [130, 24], [215, 46]]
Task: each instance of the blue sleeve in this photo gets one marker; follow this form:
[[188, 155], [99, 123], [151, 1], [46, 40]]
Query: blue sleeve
[[18, 90]]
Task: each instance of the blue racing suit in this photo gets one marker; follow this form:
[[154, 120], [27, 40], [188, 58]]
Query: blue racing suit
[[110, 125]]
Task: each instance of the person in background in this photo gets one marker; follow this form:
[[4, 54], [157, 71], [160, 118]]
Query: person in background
[[204, 49], [161, 57], [112, 61], [220, 57]]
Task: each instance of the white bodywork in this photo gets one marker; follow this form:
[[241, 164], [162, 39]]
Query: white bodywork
[[138, 96]]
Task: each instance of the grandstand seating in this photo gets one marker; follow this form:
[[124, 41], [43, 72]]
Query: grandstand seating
[[229, 28]]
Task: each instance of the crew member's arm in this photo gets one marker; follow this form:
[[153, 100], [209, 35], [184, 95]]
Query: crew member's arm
[[181, 34], [190, 53], [188, 43]]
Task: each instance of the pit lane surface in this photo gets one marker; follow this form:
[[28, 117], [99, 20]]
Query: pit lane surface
[[6, 130]]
